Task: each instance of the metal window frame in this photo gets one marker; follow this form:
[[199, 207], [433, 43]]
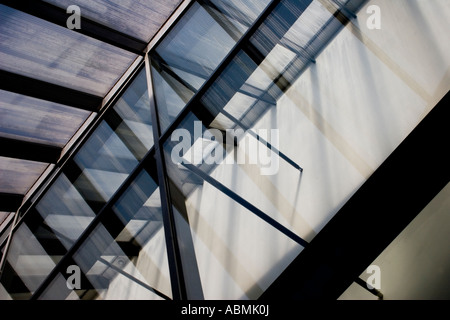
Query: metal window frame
[[174, 254]]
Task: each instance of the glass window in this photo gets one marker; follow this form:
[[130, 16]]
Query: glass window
[[236, 243], [90, 179], [197, 43], [69, 217], [240, 159], [190, 53], [27, 265], [125, 256], [337, 133], [240, 14]]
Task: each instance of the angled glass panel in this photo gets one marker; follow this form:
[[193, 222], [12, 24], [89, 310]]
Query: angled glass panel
[[197, 42], [103, 163], [125, 256], [252, 83], [26, 266], [41, 50], [240, 152], [18, 176], [44, 237], [91, 177], [194, 48], [35, 120], [281, 88], [228, 231], [240, 14], [140, 20], [307, 28], [64, 211]]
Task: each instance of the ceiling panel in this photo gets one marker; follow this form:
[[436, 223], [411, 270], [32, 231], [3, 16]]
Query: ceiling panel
[[38, 49], [17, 176], [40, 121], [139, 19]]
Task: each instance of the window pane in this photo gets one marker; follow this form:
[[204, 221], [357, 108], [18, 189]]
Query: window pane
[[190, 53], [27, 265], [67, 218], [117, 145], [338, 129], [235, 248], [94, 174], [197, 42], [125, 256]]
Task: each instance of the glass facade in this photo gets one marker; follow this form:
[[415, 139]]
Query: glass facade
[[87, 182], [245, 130]]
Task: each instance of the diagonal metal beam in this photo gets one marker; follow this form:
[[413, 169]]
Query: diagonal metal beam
[[26, 150], [183, 286], [58, 16], [246, 204], [48, 91], [264, 142], [134, 279]]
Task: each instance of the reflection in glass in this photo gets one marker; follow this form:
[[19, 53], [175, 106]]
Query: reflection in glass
[[248, 88], [125, 256], [235, 248], [190, 53], [67, 218], [89, 179], [27, 265]]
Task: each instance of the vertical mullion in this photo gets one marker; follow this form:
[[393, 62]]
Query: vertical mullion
[[178, 281]]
